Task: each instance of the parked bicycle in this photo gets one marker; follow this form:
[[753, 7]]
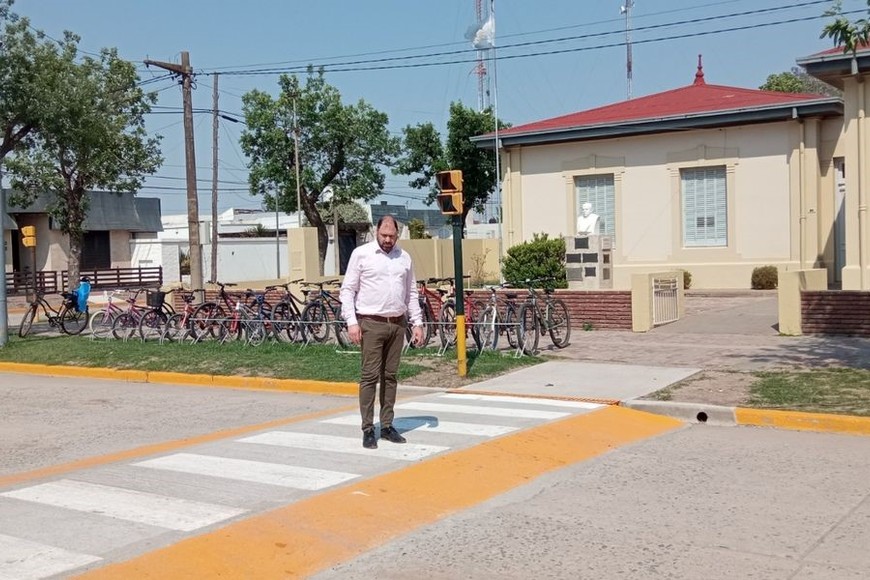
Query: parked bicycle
[[102, 319], [69, 317], [287, 314], [447, 319], [152, 324], [126, 324], [496, 316], [180, 326], [429, 302], [538, 316], [322, 313]]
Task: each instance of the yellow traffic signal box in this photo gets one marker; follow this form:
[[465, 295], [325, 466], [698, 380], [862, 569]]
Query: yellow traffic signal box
[[28, 236], [450, 191]]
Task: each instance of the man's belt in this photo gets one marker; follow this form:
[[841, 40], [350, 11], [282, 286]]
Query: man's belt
[[378, 318]]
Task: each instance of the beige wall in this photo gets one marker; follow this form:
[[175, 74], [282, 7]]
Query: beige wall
[[773, 176], [856, 100]]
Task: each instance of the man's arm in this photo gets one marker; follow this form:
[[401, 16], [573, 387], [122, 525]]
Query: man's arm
[[414, 312], [349, 290]]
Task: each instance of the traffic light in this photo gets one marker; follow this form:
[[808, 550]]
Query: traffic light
[[450, 191], [28, 236]]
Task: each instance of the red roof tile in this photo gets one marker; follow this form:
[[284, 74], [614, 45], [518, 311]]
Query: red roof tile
[[695, 99]]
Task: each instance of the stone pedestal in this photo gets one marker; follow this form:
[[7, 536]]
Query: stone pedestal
[[588, 262]]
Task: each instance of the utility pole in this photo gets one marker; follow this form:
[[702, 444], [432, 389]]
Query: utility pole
[[296, 162], [4, 314], [186, 74], [629, 64], [214, 180]]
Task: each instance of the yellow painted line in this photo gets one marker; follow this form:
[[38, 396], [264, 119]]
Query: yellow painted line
[[461, 391], [173, 378], [127, 375], [803, 421], [335, 526], [164, 447]]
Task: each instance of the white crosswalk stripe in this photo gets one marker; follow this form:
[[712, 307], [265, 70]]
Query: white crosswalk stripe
[[245, 470], [332, 443], [220, 475], [433, 426], [522, 400], [26, 560], [124, 504], [481, 410]]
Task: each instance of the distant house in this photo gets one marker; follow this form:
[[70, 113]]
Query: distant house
[[113, 220], [434, 222], [712, 179]]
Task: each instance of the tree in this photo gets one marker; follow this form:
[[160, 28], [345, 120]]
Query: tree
[[340, 146], [424, 155], [849, 35], [798, 81], [29, 82], [92, 137], [417, 229]]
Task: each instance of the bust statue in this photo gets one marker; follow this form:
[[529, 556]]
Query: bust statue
[[587, 222]]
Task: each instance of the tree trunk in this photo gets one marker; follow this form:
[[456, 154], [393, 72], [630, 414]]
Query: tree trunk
[[75, 261]]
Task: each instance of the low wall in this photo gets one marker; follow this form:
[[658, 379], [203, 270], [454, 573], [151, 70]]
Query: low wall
[[835, 312], [790, 288]]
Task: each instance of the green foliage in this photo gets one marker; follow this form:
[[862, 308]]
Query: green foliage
[[798, 81], [850, 35], [539, 258], [417, 229], [687, 279], [92, 136], [340, 146], [424, 155], [765, 278]]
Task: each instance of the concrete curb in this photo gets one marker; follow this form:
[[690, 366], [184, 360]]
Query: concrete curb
[[171, 378], [719, 415]]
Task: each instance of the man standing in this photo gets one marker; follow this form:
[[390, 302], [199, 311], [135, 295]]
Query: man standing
[[378, 294]]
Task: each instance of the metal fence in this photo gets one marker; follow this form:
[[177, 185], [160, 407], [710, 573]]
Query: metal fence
[[665, 308]]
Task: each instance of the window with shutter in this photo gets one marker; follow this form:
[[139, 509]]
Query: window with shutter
[[598, 190], [705, 215]]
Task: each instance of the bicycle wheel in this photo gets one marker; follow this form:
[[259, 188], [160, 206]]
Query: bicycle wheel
[[341, 334], [511, 324], [152, 324], [27, 321], [447, 326], [175, 328], [73, 321], [124, 326], [285, 323], [559, 322], [530, 329], [428, 324], [101, 324], [487, 328], [207, 321], [316, 321]]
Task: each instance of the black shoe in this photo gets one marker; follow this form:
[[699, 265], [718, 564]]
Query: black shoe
[[390, 434], [369, 440]]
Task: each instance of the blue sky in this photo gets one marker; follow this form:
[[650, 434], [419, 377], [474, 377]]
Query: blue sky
[[554, 57]]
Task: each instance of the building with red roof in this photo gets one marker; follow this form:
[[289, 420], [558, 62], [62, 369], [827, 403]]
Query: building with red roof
[[712, 179]]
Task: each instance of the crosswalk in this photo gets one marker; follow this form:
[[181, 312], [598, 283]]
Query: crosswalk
[[57, 527]]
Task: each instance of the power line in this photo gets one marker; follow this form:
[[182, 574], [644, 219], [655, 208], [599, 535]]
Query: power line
[[351, 66]]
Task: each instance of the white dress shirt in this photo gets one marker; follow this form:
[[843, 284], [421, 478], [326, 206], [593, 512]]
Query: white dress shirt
[[379, 283]]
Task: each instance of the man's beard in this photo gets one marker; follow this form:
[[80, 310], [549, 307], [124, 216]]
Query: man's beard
[[387, 247]]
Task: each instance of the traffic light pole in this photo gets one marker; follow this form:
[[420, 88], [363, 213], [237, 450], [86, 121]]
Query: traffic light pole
[[4, 313], [461, 358]]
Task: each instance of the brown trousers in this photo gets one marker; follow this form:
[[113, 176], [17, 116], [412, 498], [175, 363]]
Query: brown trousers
[[381, 347]]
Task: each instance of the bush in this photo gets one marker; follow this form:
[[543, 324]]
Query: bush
[[687, 279], [539, 258], [765, 278]]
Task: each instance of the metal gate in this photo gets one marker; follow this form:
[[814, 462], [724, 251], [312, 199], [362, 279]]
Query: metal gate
[[665, 300]]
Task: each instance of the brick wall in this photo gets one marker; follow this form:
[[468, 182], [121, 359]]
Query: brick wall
[[835, 312]]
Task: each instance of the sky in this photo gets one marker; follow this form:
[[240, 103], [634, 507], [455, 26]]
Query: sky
[[411, 58]]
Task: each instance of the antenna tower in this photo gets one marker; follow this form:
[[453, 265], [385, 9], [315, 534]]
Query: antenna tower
[[626, 9], [480, 67]]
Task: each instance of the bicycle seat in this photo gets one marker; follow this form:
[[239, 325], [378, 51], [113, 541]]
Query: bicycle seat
[[549, 290], [511, 295], [442, 291]]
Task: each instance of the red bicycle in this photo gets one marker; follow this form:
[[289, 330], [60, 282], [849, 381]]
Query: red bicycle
[[448, 318]]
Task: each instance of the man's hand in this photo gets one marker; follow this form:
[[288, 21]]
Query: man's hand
[[418, 335], [354, 332]]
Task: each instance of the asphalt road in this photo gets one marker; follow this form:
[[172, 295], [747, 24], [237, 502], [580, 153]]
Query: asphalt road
[[676, 502]]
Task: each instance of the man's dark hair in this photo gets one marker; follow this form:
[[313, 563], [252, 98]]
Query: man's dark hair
[[388, 217]]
